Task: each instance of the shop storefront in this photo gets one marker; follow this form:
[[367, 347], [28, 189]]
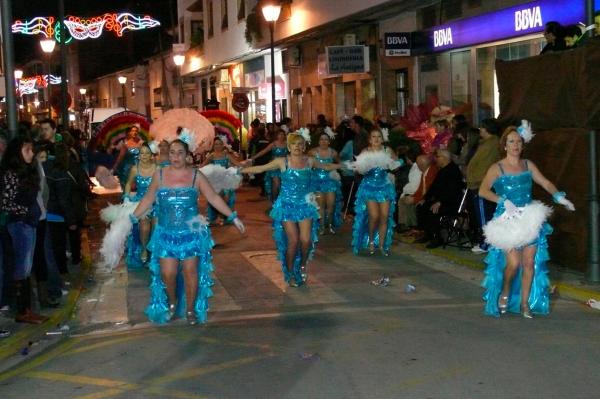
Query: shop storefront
[[458, 65]]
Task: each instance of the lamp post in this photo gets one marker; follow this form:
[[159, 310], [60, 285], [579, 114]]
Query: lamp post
[[179, 60], [122, 80], [18, 77], [48, 47], [271, 13]]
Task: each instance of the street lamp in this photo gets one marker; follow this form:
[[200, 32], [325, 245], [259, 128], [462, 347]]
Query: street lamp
[[271, 13], [122, 80], [48, 47], [179, 60]]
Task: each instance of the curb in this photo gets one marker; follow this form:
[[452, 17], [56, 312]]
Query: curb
[[11, 345], [564, 290]]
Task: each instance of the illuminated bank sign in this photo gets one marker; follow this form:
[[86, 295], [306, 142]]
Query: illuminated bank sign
[[506, 23]]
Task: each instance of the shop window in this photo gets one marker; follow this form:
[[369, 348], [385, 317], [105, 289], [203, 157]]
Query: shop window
[[224, 15], [401, 91], [211, 30], [157, 94], [241, 7], [460, 89]]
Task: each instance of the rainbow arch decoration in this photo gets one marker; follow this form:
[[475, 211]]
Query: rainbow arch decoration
[[224, 122], [113, 129]]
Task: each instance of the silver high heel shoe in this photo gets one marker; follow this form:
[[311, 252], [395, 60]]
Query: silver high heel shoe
[[331, 229], [171, 311], [303, 273], [526, 312], [371, 248], [191, 318], [503, 306]]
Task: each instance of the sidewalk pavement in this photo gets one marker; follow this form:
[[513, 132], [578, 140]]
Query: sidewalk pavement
[[27, 340]]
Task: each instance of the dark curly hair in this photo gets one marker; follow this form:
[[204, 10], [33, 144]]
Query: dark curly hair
[[13, 161]]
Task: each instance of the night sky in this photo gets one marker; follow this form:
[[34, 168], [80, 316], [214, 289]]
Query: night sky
[[107, 53]]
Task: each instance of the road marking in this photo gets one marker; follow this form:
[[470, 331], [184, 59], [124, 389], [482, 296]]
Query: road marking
[[315, 292], [196, 372], [114, 341]]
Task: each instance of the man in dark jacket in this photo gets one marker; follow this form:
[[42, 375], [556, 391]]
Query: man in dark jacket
[[442, 198]]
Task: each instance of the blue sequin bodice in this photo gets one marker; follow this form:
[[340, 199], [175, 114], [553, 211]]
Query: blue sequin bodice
[[322, 173], [516, 188], [142, 183], [377, 176], [132, 155], [176, 207], [278, 152], [224, 162], [295, 184]]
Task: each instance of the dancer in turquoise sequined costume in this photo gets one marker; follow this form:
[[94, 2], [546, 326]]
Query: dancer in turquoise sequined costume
[[517, 280], [375, 199], [295, 214], [141, 175], [279, 149], [128, 155], [181, 240], [327, 186], [163, 154], [220, 156]]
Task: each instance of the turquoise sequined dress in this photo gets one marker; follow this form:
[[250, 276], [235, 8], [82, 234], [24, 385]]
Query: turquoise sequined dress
[[375, 186], [517, 188], [322, 182], [212, 212], [132, 156], [276, 152], [180, 233], [293, 204], [134, 245]]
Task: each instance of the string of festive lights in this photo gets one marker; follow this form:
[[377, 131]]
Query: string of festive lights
[[85, 28], [30, 84]]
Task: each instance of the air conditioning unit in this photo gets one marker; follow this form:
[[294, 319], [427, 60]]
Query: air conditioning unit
[[350, 39]]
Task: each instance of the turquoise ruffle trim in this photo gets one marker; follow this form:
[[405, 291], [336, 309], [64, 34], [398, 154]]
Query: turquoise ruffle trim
[[180, 245], [295, 213], [539, 298], [360, 228]]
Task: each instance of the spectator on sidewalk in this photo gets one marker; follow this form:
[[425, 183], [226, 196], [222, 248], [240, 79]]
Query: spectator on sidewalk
[[20, 184], [488, 152], [442, 198], [407, 216]]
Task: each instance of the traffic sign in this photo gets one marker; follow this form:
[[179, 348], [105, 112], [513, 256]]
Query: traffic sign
[[240, 102]]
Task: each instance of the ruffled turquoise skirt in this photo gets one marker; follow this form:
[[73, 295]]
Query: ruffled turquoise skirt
[[180, 244], [368, 191], [134, 249], [539, 297], [284, 211]]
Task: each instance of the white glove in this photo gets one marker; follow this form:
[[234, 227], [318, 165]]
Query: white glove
[[567, 204], [510, 209], [239, 225]]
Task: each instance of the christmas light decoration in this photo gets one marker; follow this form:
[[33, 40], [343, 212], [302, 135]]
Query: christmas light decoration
[[85, 28], [30, 84]]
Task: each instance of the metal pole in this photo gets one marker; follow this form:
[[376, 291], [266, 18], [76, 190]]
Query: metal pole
[[180, 87], [273, 108], [64, 107], [9, 71], [593, 273], [48, 86]]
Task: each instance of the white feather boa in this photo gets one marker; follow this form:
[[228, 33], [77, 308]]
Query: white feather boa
[[334, 175], [519, 230], [368, 160], [113, 243], [221, 178]]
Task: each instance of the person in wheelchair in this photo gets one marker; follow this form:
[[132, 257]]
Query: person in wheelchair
[[442, 198]]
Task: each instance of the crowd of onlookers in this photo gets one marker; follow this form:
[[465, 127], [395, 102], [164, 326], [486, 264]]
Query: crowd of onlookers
[[559, 37], [43, 204]]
